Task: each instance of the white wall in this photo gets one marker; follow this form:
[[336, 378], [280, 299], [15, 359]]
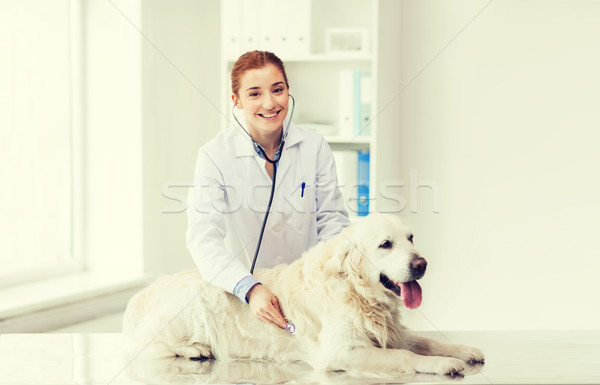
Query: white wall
[[152, 72], [112, 116], [504, 124], [181, 87]]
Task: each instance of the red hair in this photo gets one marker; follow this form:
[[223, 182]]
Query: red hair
[[253, 60]]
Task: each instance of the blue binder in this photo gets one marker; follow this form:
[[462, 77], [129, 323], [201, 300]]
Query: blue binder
[[363, 183], [356, 110]]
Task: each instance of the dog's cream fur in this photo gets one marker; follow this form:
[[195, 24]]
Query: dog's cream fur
[[345, 318]]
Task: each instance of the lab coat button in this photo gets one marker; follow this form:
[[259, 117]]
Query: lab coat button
[[277, 228], [278, 260]]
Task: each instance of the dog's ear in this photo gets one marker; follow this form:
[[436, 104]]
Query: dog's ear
[[344, 255], [337, 251]]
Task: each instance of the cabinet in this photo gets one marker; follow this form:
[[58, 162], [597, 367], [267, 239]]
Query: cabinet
[[321, 75]]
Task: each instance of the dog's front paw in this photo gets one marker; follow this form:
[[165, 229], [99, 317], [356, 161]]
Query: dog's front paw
[[443, 365], [468, 354], [451, 367]]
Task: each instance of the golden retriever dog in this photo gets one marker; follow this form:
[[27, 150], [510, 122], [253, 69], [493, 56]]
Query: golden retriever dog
[[344, 296]]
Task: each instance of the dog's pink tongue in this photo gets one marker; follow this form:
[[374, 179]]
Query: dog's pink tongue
[[411, 294]]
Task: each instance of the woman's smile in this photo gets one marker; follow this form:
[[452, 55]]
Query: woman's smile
[[270, 115]]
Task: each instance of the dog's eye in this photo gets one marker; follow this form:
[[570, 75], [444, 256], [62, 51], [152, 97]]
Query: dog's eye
[[386, 245], [410, 238]]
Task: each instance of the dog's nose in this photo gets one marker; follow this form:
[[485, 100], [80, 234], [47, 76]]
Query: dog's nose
[[417, 267]]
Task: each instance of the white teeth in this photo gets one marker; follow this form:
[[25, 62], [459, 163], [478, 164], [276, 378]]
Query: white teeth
[[269, 116]]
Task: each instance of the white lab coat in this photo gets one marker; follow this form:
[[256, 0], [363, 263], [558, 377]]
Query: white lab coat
[[226, 207]]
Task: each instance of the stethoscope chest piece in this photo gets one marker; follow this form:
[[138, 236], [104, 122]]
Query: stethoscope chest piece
[[290, 328]]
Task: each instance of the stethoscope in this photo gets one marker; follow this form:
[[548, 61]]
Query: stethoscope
[[289, 327]]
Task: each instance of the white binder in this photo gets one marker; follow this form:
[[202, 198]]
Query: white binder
[[346, 103], [251, 20], [231, 30], [270, 25], [299, 12]]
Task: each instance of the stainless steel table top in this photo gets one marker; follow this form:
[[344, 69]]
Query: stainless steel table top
[[512, 357]]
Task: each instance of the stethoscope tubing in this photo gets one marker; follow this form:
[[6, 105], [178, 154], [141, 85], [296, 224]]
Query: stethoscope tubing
[[262, 229], [289, 327], [274, 162]]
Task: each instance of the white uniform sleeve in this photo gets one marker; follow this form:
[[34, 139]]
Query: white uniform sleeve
[[207, 228], [331, 215]]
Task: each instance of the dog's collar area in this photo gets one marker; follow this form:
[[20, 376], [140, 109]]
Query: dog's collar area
[[389, 284]]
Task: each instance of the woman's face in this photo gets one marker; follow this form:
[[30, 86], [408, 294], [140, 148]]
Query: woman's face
[[264, 97]]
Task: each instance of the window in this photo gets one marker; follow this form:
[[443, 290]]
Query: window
[[36, 141]]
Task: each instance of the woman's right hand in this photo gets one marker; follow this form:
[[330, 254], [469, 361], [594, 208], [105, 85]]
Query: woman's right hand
[[264, 305]]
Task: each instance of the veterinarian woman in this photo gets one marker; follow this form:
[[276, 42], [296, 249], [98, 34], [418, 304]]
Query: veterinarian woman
[[232, 185]]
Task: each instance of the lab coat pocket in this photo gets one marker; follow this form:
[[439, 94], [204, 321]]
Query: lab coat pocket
[[301, 206]]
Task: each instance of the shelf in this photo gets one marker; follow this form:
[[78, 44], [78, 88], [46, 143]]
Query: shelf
[[322, 58], [354, 218], [357, 144], [332, 58], [348, 139]]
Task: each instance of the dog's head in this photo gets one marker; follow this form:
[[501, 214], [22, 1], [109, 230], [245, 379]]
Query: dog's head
[[379, 251]]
